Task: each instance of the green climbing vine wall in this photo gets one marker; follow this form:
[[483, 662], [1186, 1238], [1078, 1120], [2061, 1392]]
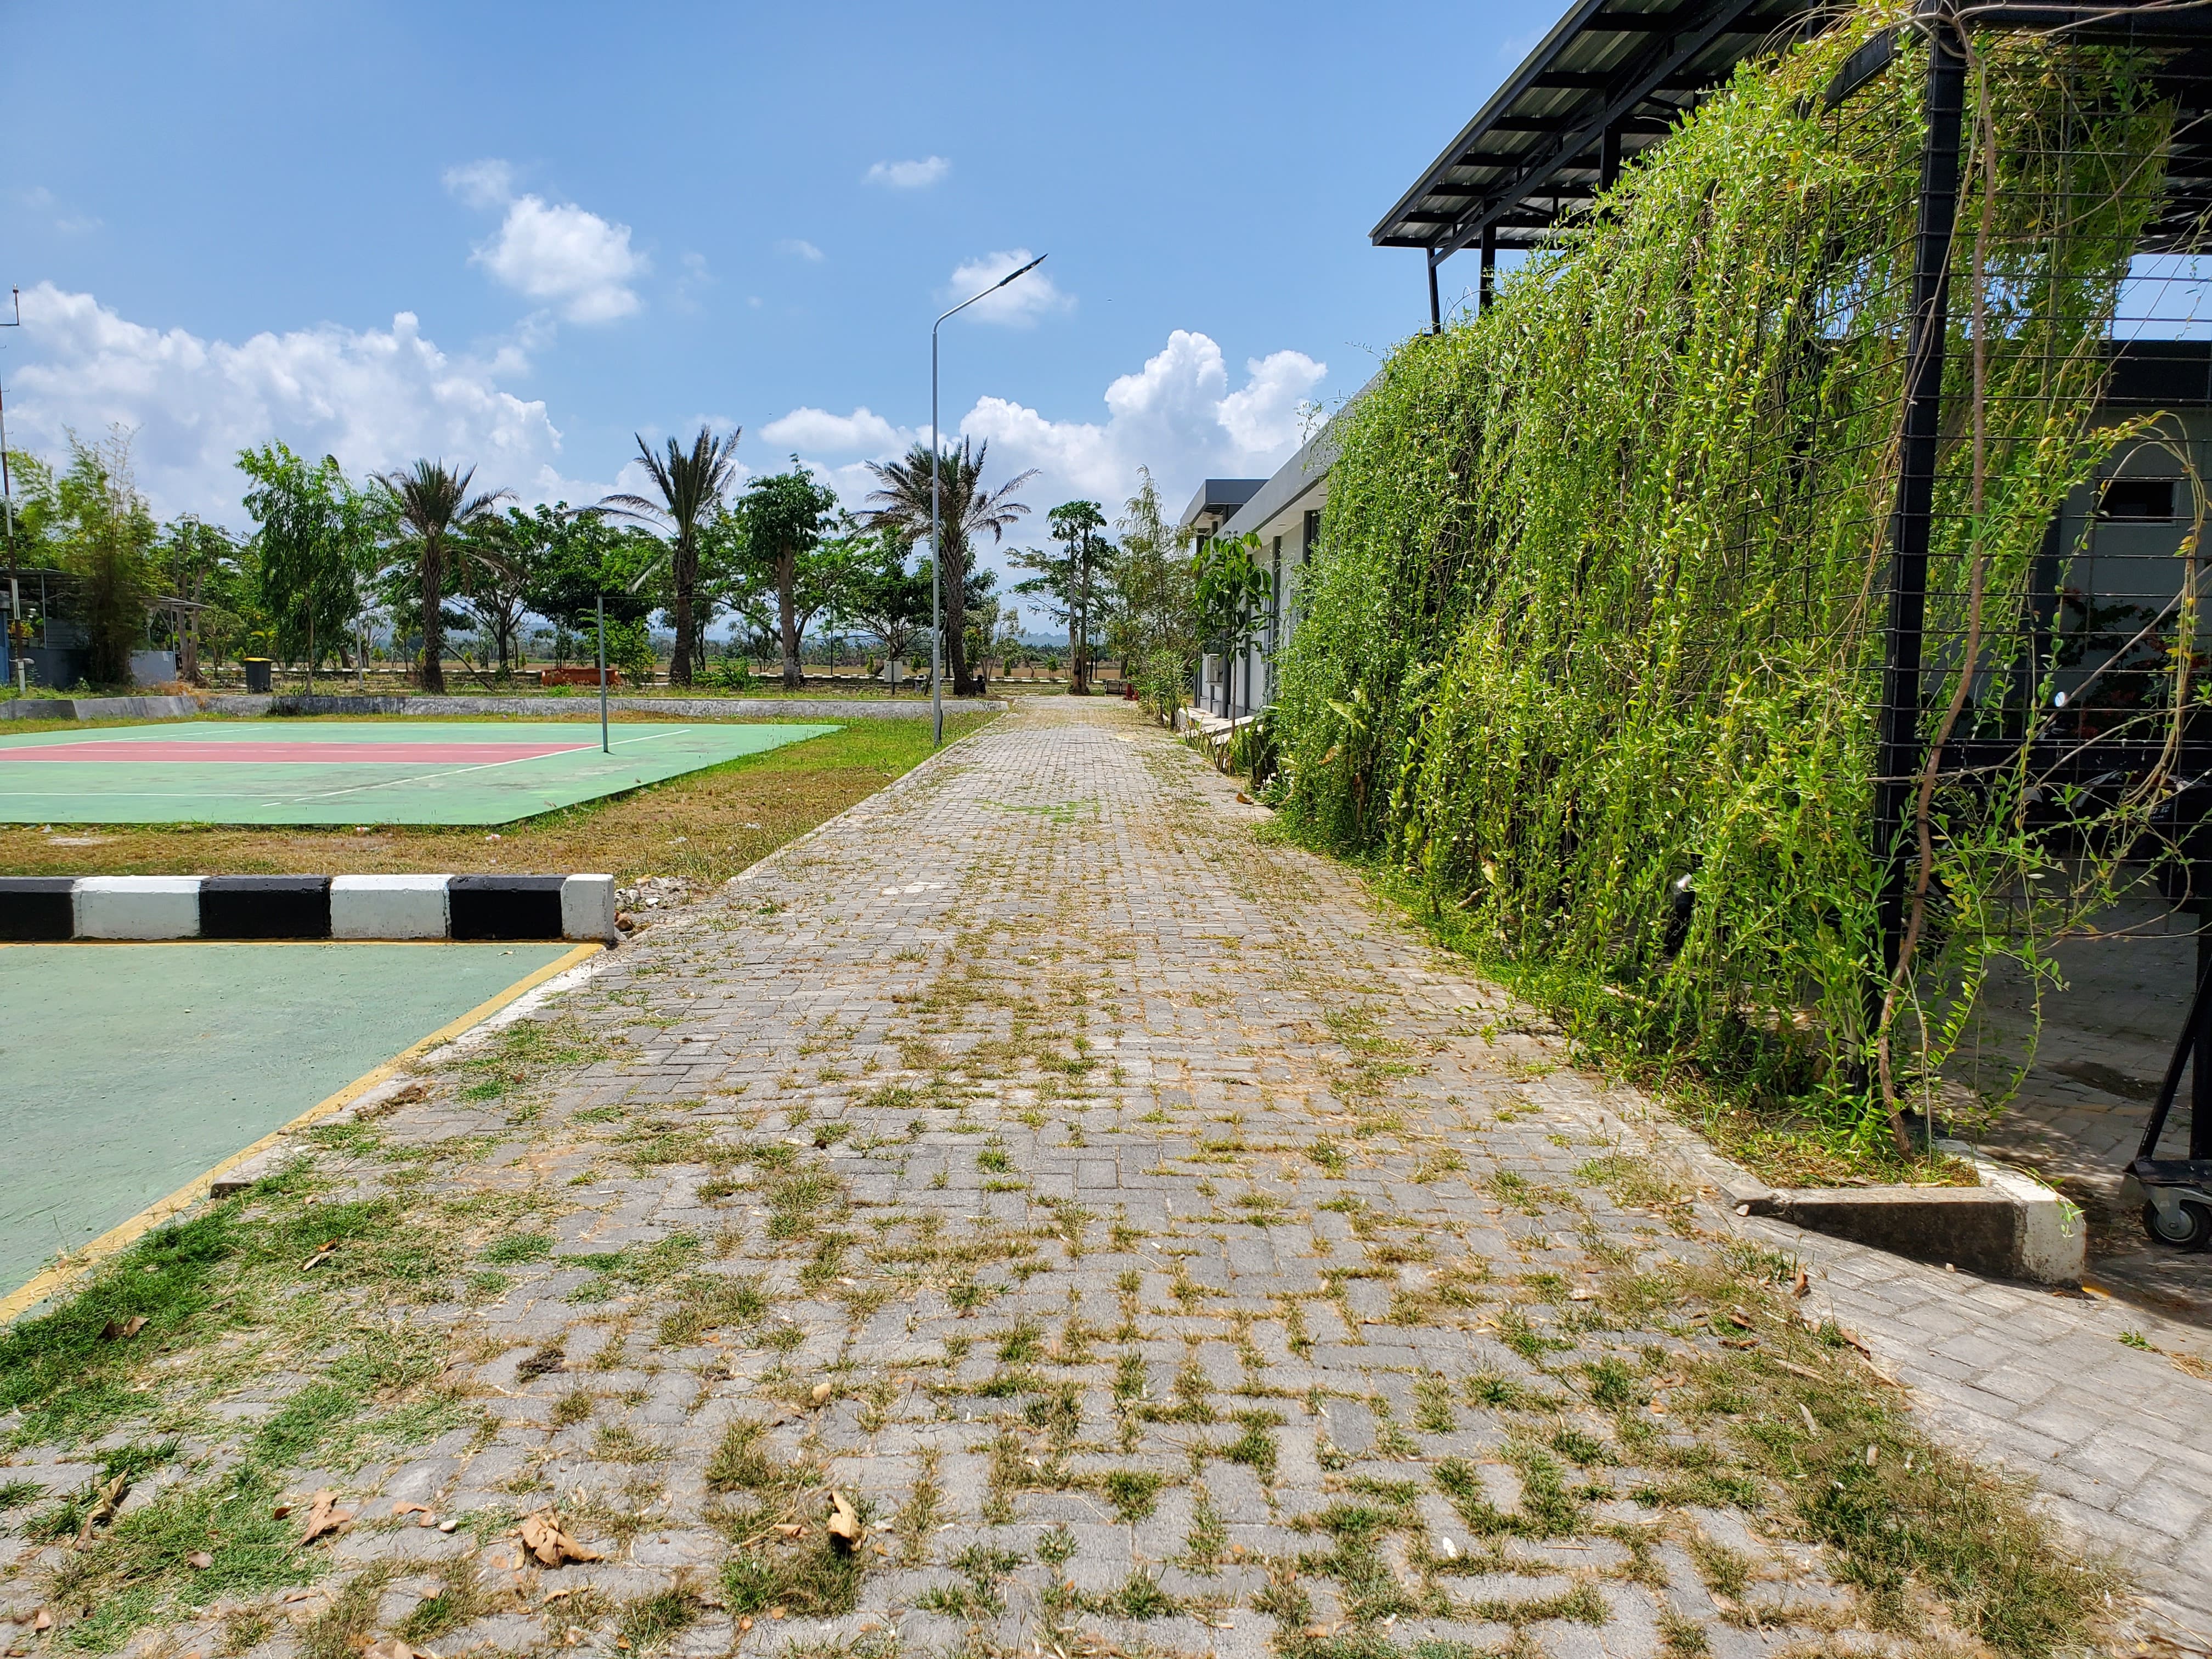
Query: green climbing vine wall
[[1601, 598]]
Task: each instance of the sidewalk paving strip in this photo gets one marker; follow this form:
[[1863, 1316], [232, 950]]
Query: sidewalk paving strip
[[1158, 1245]]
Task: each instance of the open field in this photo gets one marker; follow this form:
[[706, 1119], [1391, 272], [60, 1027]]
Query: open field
[[704, 826]]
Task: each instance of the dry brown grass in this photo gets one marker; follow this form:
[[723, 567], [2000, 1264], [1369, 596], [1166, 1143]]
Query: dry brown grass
[[705, 825]]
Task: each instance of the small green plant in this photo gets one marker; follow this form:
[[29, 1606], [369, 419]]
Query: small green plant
[[1133, 1493]]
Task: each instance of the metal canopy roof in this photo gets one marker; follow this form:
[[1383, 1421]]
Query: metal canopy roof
[[1614, 76]]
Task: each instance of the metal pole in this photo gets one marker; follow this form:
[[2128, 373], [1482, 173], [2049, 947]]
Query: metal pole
[[936, 560], [1435, 306], [606, 748], [1900, 757], [936, 532], [1487, 290]]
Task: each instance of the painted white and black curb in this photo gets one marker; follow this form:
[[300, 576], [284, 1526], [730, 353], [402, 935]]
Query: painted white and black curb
[[35, 909]]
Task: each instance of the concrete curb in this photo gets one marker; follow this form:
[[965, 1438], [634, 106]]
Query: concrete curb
[[98, 708], [2011, 1226], [44, 909]]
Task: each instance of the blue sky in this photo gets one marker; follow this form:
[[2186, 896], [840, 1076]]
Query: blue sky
[[515, 234]]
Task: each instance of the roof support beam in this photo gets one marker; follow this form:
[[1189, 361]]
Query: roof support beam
[[1666, 58]]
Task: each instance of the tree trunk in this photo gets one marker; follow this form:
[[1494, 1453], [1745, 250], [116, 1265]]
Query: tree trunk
[[433, 631], [686, 573], [954, 575], [787, 580]]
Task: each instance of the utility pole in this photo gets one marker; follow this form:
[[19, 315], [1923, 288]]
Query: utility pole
[[8, 511], [936, 516]]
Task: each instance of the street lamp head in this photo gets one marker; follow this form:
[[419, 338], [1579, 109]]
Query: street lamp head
[[1024, 271]]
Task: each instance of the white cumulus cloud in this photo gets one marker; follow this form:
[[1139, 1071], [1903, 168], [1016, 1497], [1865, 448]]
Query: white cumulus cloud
[[1019, 304], [558, 254], [863, 432], [376, 399], [486, 184], [800, 248], [565, 257], [909, 176], [1176, 415]]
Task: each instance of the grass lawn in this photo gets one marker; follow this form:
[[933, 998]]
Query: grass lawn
[[705, 826]]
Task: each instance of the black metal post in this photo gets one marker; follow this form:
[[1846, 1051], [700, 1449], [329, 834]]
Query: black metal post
[[1435, 306], [2200, 1101], [1487, 290], [1608, 158], [1898, 761]]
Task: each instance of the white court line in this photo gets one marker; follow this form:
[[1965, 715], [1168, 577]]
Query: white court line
[[421, 777]]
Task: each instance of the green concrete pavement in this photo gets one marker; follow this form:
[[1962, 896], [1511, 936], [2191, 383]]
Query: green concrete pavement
[[404, 771], [126, 1070]]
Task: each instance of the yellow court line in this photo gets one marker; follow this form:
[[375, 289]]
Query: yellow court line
[[129, 1232]]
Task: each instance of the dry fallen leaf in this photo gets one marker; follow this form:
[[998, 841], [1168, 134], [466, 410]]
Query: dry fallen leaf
[[776, 1612], [42, 1620], [821, 1393], [1579, 1294], [1739, 1342], [844, 1521], [746, 1623], [790, 1529], [319, 1255], [392, 1648], [122, 1330], [1802, 1285], [280, 1512], [542, 1536], [325, 1518], [429, 1516], [104, 1507], [201, 1559]]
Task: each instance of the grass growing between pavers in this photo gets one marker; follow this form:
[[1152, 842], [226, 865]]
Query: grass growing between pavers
[[703, 827], [723, 1300], [273, 1284], [1780, 1145]]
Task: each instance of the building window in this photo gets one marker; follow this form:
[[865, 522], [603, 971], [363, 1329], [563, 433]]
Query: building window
[[2138, 501]]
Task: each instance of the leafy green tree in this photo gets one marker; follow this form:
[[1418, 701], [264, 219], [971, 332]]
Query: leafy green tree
[[967, 512], [91, 521], [520, 542], [203, 564], [882, 600], [691, 486], [1231, 590], [316, 548], [1152, 616], [584, 557], [785, 517], [434, 514], [1072, 582]]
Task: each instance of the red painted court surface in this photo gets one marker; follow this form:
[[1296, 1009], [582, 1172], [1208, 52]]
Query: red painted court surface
[[342, 772]]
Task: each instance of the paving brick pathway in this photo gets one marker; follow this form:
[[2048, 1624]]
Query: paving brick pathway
[[1165, 1250]]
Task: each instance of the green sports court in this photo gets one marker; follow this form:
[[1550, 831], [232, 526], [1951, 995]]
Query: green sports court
[[179, 1055], [333, 772]]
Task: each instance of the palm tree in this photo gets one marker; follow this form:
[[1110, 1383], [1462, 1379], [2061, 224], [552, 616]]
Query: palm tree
[[691, 487], [968, 510], [434, 502]]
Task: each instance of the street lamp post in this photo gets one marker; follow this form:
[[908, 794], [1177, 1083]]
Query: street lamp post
[[936, 513]]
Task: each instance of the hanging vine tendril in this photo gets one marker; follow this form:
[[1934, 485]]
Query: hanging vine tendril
[[1590, 650]]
